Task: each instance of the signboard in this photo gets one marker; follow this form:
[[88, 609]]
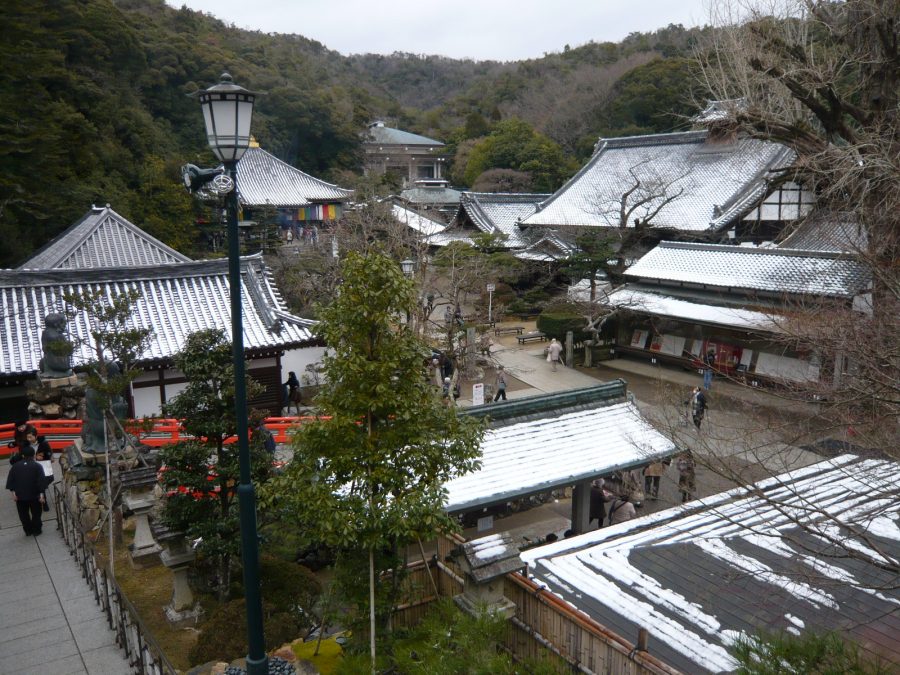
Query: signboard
[[478, 394], [485, 523], [491, 288]]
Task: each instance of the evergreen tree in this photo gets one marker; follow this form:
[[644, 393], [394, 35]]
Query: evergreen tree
[[368, 478], [200, 475]]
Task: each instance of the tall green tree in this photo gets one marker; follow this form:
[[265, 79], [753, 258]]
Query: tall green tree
[[369, 477], [513, 144], [201, 474], [595, 251]]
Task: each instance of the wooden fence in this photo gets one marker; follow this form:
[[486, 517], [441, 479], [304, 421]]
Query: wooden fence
[[144, 655], [546, 627]]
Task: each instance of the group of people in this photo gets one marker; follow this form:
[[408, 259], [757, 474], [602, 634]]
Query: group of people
[[617, 500], [27, 479], [308, 235]]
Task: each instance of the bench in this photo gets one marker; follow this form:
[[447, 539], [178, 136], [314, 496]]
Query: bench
[[533, 335], [508, 330]]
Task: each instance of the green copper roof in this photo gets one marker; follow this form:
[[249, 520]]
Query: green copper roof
[[382, 134]]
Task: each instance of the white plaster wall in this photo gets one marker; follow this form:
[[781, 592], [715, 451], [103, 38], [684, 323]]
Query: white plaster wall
[[298, 359], [146, 401]]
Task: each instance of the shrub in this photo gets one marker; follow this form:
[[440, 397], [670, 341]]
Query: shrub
[[223, 637], [828, 653], [556, 321], [290, 588]]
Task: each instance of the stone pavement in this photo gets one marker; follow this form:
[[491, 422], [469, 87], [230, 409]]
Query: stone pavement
[[743, 424], [49, 620]]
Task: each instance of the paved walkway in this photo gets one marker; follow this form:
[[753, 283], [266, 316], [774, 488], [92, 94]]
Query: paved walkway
[[49, 620]]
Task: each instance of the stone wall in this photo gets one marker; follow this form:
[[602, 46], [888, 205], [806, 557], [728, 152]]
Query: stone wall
[[59, 398]]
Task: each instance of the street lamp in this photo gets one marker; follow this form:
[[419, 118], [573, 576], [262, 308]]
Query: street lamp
[[408, 266], [227, 111]]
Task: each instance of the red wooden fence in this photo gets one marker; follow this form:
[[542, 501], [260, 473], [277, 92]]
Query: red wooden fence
[[155, 432]]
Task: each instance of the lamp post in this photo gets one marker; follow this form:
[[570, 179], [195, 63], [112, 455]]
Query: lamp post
[[227, 111], [408, 266]]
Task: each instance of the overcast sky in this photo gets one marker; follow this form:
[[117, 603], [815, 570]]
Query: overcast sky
[[503, 30]]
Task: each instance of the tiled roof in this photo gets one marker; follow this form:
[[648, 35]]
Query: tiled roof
[[709, 310], [720, 181], [450, 235], [543, 454], [549, 248], [499, 213], [176, 299], [769, 270], [418, 222], [103, 238], [263, 179], [430, 195], [827, 231], [388, 136], [699, 575]]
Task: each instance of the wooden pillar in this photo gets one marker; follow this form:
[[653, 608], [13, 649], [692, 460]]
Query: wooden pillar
[[570, 350], [581, 507]]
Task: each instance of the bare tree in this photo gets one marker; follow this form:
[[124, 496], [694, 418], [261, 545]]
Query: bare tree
[[631, 213], [822, 78]]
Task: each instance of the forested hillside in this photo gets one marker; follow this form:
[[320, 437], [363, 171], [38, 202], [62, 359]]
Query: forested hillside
[[94, 107]]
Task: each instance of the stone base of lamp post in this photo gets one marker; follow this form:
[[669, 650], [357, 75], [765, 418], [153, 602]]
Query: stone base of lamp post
[[485, 563], [182, 608], [143, 551]]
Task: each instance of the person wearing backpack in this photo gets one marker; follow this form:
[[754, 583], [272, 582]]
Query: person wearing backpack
[[621, 510]]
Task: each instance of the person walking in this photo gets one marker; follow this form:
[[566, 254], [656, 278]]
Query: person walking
[[43, 453], [709, 361], [553, 352], [500, 384], [687, 477], [20, 434], [698, 406], [652, 474], [26, 481], [597, 506]]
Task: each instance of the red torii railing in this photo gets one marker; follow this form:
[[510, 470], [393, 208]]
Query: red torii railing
[[155, 432]]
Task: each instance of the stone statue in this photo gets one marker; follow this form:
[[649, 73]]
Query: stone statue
[[55, 347], [93, 432]]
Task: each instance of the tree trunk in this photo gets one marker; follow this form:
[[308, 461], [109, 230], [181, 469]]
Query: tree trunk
[[372, 607]]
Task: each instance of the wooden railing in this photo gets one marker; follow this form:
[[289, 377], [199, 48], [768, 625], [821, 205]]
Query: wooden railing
[[154, 432]]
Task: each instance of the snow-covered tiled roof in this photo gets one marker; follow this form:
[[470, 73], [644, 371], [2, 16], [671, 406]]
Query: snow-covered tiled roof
[[658, 302], [378, 133], [699, 575], [717, 182], [430, 195], [827, 231], [769, 270], [263, 179], [424, 225], [549, 248], [449, 236], [499, 213], [103, 238], [528, 457], [176, 299]]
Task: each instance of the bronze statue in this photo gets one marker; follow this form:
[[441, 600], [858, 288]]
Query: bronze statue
[[56, 349], [93, 431]]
